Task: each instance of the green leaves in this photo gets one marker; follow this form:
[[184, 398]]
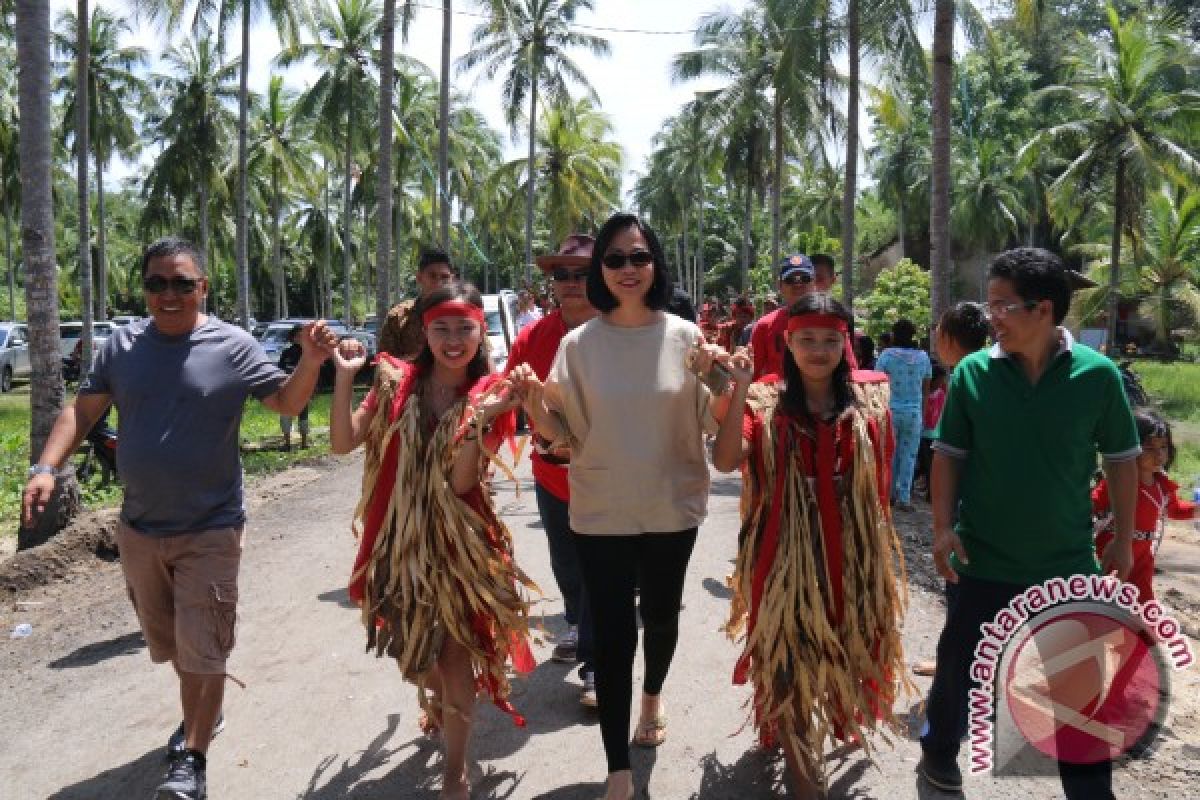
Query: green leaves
[[901, 292]]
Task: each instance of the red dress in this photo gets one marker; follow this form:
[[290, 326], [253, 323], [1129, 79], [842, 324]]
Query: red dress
[[1155, 501]]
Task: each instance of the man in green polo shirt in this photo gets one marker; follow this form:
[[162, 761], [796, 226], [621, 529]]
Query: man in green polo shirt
[[1016, 448]]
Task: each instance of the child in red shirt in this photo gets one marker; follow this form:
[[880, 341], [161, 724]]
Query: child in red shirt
[[1157, 500]]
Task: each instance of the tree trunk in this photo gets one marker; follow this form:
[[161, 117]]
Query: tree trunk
[[82, 154], [12, 278], [777, 183], [383, 198], [443, 198], [939, 190], [900, 221], [850, 188], [685, 269], [240, 244], [747, 223], [530, 193], [327, 263], [205, 236], [101, 266], [1114, 271], [37, 248], [281, 303], [347, 211]]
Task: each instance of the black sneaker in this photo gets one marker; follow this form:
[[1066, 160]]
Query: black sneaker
[[940, 773], [177, 744], [185, 779]]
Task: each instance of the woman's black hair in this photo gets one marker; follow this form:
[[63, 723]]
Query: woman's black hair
[[481, 364], [1151, 425], [659, 294], [904, 333], [792, 400]]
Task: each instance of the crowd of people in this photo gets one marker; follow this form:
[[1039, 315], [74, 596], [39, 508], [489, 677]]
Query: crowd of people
[[628, 405]]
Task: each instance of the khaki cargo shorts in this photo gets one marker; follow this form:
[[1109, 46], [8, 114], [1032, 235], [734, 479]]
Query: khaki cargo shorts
[[184, 590]]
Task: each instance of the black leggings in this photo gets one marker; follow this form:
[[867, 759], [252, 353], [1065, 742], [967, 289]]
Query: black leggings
[[613, 568]]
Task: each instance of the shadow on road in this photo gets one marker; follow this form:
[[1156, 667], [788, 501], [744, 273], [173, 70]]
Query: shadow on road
[[339, 596], [138, 778], [754, 775], [92, 654], [717, 588], [730, 486]]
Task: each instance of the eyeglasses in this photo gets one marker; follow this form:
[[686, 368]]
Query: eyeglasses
[[798, 280], [998, 310], [157, 284], [639, 258], [568, 275]]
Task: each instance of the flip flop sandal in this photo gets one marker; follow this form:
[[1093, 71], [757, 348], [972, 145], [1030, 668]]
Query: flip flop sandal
[[651, 732], [925, 668]]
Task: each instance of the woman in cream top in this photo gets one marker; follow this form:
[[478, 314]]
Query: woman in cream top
[[621, 398]]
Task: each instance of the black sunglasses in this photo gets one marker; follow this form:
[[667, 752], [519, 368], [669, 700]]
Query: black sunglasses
[[798, 280], [156, 284], [639, 258], [568, 275]]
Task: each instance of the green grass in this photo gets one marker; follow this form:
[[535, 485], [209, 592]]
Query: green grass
[[261, 440], [1174, 387]]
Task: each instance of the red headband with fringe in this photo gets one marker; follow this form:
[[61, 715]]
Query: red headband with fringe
[[804, 321], [452, 308]]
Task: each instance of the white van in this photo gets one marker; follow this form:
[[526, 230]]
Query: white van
[[500, 311]]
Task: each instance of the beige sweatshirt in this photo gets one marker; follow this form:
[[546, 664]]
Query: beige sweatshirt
[[635, 418]]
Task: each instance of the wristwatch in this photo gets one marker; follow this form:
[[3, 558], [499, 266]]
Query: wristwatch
[[42, 469]]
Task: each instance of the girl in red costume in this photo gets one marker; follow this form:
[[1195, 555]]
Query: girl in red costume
[[817, 602], [435, 575], [1157, 501]]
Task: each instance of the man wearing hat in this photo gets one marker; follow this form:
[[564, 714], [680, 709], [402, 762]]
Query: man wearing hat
[[536, 345], [796, 279]]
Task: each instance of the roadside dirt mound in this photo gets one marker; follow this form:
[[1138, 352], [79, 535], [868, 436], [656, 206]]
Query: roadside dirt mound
[[91, 535]]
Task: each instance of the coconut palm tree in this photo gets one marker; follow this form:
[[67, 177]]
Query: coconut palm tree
[[281, 149], [1129, 122], [579, 167], [9, 179], [530, 41], [344, 47], [196, 125], [1168, 254], [37, 220], [288, 19], [114, 92], [900, 157]]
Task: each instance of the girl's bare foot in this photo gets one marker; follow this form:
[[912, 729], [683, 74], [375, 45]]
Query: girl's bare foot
[[620, 786]]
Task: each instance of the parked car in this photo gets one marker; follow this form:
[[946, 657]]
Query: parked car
[[124, 319], [275, 338], [70, 333], [500, 311], [14, 354]]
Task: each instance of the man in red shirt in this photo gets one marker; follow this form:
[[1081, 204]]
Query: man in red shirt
[[796, 279], [536, 345]]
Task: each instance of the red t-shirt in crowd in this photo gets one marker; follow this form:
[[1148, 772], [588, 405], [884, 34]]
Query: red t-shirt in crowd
[[536, 345]]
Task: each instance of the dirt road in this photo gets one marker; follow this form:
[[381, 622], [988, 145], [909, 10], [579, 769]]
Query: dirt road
[[84, 715]]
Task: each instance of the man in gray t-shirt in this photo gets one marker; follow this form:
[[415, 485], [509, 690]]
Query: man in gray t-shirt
[[179, 382]]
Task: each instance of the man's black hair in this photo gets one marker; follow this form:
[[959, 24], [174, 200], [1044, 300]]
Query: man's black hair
[[432, 256], [966, 324], [681, 305], [1036, 275], [170, 246], [659, 294]]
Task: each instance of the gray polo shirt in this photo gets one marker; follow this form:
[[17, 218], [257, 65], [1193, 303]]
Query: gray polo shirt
[[179, 402]]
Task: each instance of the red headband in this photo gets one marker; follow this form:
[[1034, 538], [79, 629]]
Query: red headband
[[452, 308], [803, 321]]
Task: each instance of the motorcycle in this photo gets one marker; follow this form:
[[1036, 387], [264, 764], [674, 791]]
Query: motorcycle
[[99, 454]]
